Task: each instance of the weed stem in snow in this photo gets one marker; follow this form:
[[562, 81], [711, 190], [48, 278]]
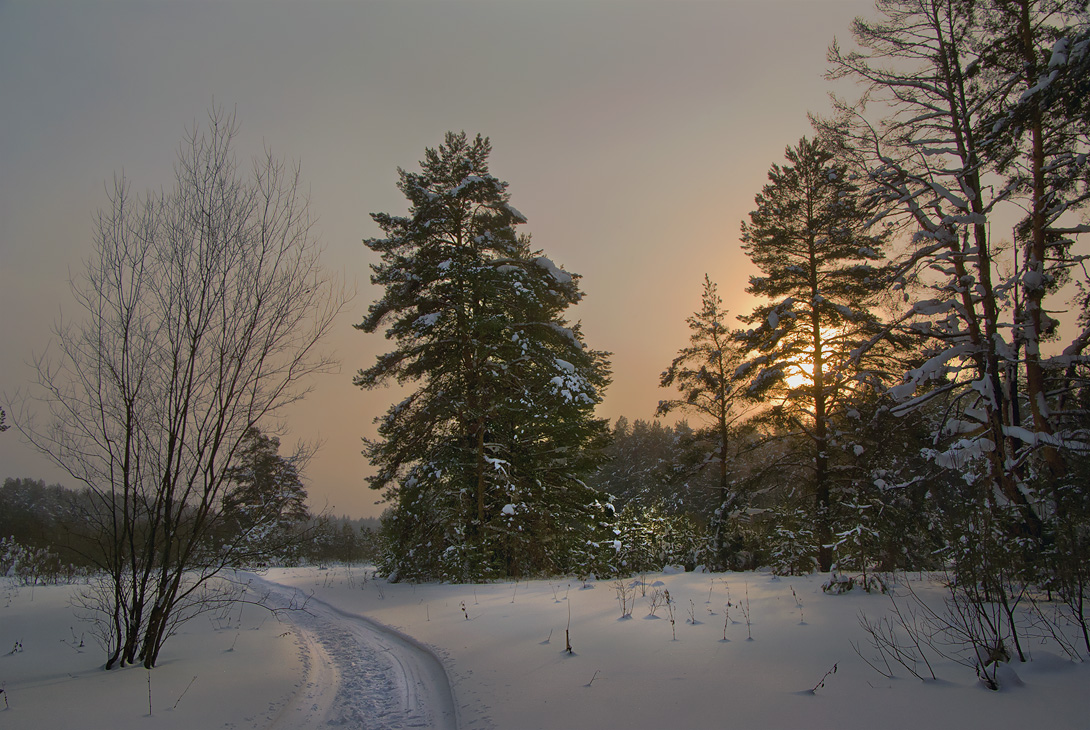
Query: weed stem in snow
[[184, 691], [821, 684]]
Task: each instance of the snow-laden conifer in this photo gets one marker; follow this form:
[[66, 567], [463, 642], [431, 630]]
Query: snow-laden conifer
[[1036, 136], [483, 460], [918, 138]]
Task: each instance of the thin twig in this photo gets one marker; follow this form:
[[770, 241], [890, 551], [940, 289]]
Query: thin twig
[[821, 684]]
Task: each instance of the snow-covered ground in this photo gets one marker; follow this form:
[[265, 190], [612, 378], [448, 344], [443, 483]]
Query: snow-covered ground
[[240, 672], [503, 646]]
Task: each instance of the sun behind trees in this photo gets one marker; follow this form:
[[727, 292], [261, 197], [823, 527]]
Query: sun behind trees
[[483, 461], [812, 239]]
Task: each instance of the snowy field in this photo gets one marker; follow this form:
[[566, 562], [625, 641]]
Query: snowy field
[[370, 654]]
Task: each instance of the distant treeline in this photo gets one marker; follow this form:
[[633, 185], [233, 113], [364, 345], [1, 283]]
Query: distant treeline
[[53, 518]]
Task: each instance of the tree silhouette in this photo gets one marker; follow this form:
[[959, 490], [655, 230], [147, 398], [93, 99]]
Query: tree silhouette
[[705, 373], [811, 238]]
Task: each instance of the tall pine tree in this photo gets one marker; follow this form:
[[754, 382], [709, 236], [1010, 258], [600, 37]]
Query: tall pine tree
[[483, 460], [811, 239], [1039, 141], [958, 95]]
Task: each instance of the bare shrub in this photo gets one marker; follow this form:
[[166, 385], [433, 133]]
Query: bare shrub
[[626, 596], [654, 601], [203, 309]]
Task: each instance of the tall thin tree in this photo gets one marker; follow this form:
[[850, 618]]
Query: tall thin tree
[[705, 374]]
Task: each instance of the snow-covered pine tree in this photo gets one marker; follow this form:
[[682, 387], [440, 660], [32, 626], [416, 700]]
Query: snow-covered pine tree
[[1038, 138], [704, 373], [955, 86], [1038, 54], [917, 139], [483, 460], [812, 239]]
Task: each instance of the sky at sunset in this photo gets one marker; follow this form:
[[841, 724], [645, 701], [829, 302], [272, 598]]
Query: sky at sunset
[[634, 135]]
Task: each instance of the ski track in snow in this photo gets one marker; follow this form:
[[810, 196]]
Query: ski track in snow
[[359, 673]]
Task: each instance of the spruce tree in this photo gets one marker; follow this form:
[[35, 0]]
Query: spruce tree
[[811, 239], [266, 497], [704, 373], [483, 460]]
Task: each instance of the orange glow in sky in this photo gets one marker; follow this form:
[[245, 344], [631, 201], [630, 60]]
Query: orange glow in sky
[[634, 136]]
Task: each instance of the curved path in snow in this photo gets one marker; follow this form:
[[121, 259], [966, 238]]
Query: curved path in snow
[[359, 673]]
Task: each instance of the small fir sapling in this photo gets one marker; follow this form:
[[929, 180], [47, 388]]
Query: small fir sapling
[[838, 582]]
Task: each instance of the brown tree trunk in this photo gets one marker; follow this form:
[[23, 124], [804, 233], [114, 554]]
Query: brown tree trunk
[[1035, 255]]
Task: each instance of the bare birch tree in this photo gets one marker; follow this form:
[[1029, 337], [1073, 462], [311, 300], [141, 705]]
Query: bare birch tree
[[204, 307]]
